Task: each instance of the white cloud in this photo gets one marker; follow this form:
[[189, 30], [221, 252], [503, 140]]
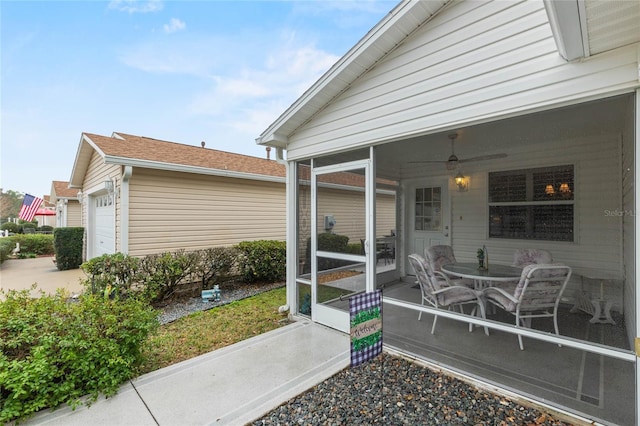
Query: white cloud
[[134, 6], [174, 25]]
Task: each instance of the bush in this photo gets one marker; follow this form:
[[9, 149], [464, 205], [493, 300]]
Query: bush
[[45, 228], [68, 247], [327, 241], [36, 244], [14, 228], [262, 261], [217, 265], [6, 245], [162, 273], [28, 227], [53, 351], [112, 274]]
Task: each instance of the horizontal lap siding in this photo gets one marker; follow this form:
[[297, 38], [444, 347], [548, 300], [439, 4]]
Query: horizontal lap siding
[[598, 243], [74, 212], [473, 62], [171, 211]]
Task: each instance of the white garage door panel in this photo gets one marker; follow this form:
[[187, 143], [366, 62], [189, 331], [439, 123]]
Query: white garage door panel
[[104, 232]]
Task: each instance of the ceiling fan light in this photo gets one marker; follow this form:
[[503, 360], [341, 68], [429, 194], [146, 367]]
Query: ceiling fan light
[[451, 165]]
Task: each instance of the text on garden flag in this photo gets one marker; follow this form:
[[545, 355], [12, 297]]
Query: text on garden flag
[[366, 326], [30, 206]]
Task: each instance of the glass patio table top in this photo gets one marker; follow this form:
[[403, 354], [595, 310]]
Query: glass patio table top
[[495, 272]]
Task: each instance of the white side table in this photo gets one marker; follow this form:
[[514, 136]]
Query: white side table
[[597, 305]]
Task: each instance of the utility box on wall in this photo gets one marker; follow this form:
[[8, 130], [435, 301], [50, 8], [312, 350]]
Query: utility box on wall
[[329, 222]]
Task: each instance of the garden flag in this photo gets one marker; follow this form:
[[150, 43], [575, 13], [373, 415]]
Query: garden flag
[[366, 326], [30, 206]]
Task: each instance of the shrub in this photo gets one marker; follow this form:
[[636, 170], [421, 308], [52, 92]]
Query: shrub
[[112, 274], [327, 241], [216, 265], [28, 227], [68, 247], [45, 228], [14, 228], [53, 351], [262, 260], [37, 244], [164, 272], [6, 245]]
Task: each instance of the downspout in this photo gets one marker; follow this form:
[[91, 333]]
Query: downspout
[[124, 209], [290, 226]]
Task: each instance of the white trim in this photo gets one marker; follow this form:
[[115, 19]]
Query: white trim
[[124, 209], [566, 24], [292, 236]]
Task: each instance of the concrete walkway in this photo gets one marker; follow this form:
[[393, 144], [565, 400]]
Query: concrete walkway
[[20, 274], [230, 386]]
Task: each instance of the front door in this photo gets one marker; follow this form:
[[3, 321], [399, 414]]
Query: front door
[[428, 215], [343, 239]]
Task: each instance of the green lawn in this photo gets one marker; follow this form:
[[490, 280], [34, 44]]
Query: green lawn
[[206, 331]]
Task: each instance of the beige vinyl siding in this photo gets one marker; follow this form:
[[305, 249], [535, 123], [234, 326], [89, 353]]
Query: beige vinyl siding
[[348, 208], [74, 213], [474, 62], [598, 236], [169, 211]]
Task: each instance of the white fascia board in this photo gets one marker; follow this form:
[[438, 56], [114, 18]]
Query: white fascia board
[[80, 160], [122, 161], [269, 136], [568, 24]]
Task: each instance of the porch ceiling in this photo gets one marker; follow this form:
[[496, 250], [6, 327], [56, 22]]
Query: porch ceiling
[[396, 160]]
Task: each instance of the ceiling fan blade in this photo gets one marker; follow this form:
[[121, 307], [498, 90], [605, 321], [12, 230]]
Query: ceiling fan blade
[[484, 157], [426, 161]]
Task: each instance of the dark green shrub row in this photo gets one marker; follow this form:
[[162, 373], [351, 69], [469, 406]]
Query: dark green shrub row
[[53, 351], [263, 260], [19, 228], [37, 244], [157, 277], [68, 247]]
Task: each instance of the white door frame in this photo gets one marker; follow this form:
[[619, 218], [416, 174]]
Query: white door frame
[[335, 318]]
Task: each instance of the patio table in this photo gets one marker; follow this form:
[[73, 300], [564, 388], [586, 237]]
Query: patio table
[[483, 277]]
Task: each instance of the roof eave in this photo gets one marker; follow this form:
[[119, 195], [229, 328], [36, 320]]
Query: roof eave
[[82, 160], [272, 136], [158, 165]]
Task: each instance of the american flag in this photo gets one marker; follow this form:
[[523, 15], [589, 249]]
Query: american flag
[[30, 205]]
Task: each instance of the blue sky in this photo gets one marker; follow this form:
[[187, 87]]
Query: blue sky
[[183, 71]]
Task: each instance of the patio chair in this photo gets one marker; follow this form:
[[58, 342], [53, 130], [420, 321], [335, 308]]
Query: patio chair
[[443, 296], [523, 257], [536, 295], [441, 255]]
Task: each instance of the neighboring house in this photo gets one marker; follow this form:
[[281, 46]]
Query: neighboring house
[[540, 101], [67, 204], [143, 196], [46, 214]]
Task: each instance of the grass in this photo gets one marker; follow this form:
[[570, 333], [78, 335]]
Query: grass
[[206, 331]]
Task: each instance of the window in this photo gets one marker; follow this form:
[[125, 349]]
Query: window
[[428, 209], [532, 204]]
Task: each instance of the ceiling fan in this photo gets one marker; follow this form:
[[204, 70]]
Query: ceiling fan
[[452, 162]]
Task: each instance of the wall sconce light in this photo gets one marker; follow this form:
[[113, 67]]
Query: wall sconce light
[[564, 189], [109, 186], [462, 182], [549, 190]]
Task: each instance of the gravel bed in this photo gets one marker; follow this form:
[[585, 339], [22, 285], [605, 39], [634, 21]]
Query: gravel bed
[[393, 391], [228, 294]]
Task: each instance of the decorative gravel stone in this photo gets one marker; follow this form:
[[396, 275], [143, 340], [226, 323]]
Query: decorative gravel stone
[[229, 293], [393, 391]]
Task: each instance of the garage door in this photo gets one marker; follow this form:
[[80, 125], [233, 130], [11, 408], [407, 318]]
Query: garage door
[[104, 241]]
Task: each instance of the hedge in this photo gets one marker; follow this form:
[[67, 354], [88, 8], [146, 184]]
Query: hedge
[[68, 247]]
